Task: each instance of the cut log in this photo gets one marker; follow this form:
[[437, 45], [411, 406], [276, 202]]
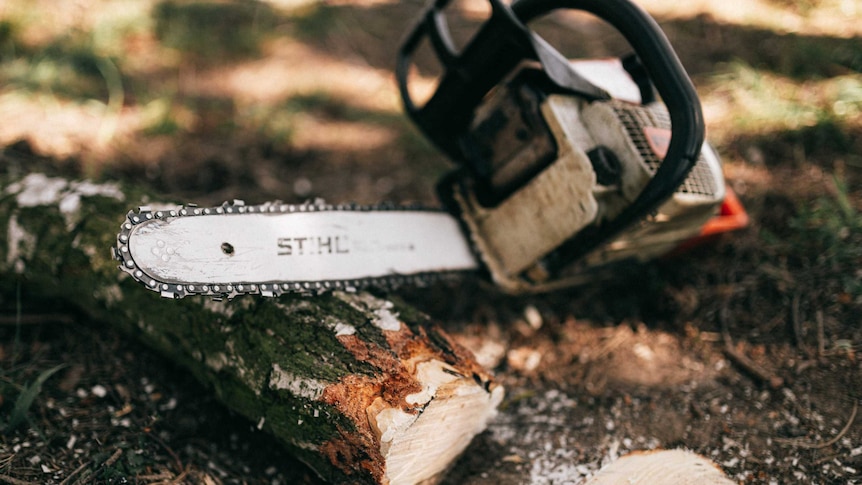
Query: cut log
[[361, 388], [661, 467]]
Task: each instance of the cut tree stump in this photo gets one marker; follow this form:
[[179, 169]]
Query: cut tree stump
[[362, 389]]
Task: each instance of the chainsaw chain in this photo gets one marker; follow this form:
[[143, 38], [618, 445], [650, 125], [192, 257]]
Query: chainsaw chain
[[145, 214]]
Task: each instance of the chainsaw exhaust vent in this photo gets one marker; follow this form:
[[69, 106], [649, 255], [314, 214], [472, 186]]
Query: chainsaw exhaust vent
[[701, 180]]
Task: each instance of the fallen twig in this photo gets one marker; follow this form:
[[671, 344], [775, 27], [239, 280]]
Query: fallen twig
[[159, 477], [113, 459], [107, 463], [172, 453], [14, 481], [773, 381], [75, 473], [738, 358], [825, 444], [795, 321], [179, 479]]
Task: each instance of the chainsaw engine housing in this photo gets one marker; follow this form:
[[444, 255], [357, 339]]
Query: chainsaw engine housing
[[558, 173], [571, 165]]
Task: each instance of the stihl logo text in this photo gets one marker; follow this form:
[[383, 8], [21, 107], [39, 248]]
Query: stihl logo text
[[301, 246]]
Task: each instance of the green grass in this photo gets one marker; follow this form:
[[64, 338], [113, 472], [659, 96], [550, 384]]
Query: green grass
[[7, 38], [66, 70], [329, 106], [810, 57], [276, 124], [813, 120], [79, 64], [214, 31], [828, 233], [159, 118], [27, 394], [316, 21]]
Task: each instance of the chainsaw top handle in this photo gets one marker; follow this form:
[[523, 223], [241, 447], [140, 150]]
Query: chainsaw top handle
[[504, 41], [499, 46], [677, 92]]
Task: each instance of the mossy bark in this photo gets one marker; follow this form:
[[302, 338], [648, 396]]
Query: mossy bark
[[340, 388]]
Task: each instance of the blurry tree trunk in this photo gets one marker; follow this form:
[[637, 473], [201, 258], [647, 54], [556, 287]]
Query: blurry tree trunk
[[362, 389]]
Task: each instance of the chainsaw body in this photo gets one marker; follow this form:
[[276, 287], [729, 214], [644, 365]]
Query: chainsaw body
[[565, 167]]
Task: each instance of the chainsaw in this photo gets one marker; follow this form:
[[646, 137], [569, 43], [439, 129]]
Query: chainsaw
[[564, 169]]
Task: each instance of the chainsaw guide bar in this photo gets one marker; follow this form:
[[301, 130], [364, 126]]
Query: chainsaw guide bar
[[277, 248]]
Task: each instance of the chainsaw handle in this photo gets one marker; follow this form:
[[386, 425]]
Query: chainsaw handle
[[504, 41], [676, 90], [467, 76]]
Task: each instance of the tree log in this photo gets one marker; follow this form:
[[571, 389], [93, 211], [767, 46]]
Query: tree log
[[361, 388]]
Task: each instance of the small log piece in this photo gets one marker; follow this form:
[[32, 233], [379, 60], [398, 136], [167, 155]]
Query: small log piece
[[661, 467]]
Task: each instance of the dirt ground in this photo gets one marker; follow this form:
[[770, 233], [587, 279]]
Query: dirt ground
[[743, 349]]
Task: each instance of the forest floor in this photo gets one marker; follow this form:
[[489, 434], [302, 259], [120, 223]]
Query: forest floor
[[743, 349]]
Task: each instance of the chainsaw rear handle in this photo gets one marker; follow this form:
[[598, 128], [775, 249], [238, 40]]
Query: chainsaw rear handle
[[504, 41]]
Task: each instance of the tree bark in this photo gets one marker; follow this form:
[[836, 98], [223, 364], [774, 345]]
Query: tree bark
[[361, 388]]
